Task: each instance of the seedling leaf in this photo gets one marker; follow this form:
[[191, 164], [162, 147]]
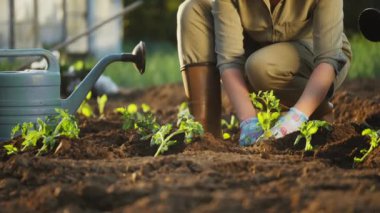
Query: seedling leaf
[[185, 125], [308, 129], [299, 137], [313, 130], [145, 108], [226, 136], [102, 100], [229, 127], [132, 108], [144, 122], [85, 108], [269, 110], [10, 149], [374, 143]]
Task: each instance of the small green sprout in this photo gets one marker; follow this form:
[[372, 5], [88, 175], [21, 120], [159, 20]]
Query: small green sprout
[[145, 108], [226, 136], [374, 142], [229, 127], [186, 125], [85, 109], [308, 129], [144, 122], [10, 149], [269, 110], [102, 100], [63, 124], [183, 113], [78, 65], [233, 124], [24, 128]]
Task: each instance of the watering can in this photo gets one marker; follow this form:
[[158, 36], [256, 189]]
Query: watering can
[[31, 94], [369, 24]]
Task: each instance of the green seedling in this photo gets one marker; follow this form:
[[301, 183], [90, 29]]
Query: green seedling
[[185, 125], [145, 108], [308, 129], [142, 120], [269, 110], [229, 127], [47, 132], [102, 100], [374, 142], [23, 128], [79, 66], [226, 136], [10, 149], [85, 109], [233, 124], [183, 113]]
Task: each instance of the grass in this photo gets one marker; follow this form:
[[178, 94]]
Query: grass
[[162, 67], [366, 58]]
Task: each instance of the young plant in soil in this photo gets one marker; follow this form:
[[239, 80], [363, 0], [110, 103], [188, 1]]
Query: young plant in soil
[[85, 108], [185, 125], [308, 129], [229, 127], [11, 149], [269, 110], [374, 142], [142, 120], [47, 132], [102, 101]]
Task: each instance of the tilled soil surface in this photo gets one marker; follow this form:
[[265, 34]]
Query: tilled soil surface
[[110, 170]]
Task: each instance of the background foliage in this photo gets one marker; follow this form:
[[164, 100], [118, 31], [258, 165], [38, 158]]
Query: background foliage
[[156, 19], [155, 23]]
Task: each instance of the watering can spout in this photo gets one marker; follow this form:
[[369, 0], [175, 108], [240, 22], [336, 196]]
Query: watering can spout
[[73, 102], [369, 21]]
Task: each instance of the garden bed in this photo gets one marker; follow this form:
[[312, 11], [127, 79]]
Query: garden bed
[[109, 169]]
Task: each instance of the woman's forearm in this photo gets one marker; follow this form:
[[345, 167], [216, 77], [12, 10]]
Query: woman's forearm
[[236, 89], [316, 89]]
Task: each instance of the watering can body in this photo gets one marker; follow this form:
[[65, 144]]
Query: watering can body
[[31, 94]]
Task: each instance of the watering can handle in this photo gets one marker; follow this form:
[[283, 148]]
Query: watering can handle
[[52, 61]]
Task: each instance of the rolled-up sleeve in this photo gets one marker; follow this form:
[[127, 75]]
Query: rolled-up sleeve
[[228, 35], [328, 33]]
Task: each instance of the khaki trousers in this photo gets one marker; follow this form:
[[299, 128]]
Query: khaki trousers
[[283, 67]]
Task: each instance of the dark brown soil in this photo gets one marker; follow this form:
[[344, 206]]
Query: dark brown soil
[[111, 170]]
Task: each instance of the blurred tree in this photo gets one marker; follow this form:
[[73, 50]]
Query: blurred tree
[[156, 19]]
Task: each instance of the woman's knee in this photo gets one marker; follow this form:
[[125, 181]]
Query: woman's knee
[[274, 66], [191, 10], [258, 71]]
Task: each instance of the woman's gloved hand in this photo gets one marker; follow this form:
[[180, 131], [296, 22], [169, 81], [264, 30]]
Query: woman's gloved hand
[[250, 131], [288, 123]]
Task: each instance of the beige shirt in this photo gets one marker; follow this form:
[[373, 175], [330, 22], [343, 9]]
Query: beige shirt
[[318, 24]]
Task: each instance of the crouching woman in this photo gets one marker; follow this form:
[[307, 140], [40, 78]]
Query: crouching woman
[[296, 48]]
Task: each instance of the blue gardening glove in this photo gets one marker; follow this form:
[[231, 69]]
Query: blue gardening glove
[[250, 130], [288, 123]]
